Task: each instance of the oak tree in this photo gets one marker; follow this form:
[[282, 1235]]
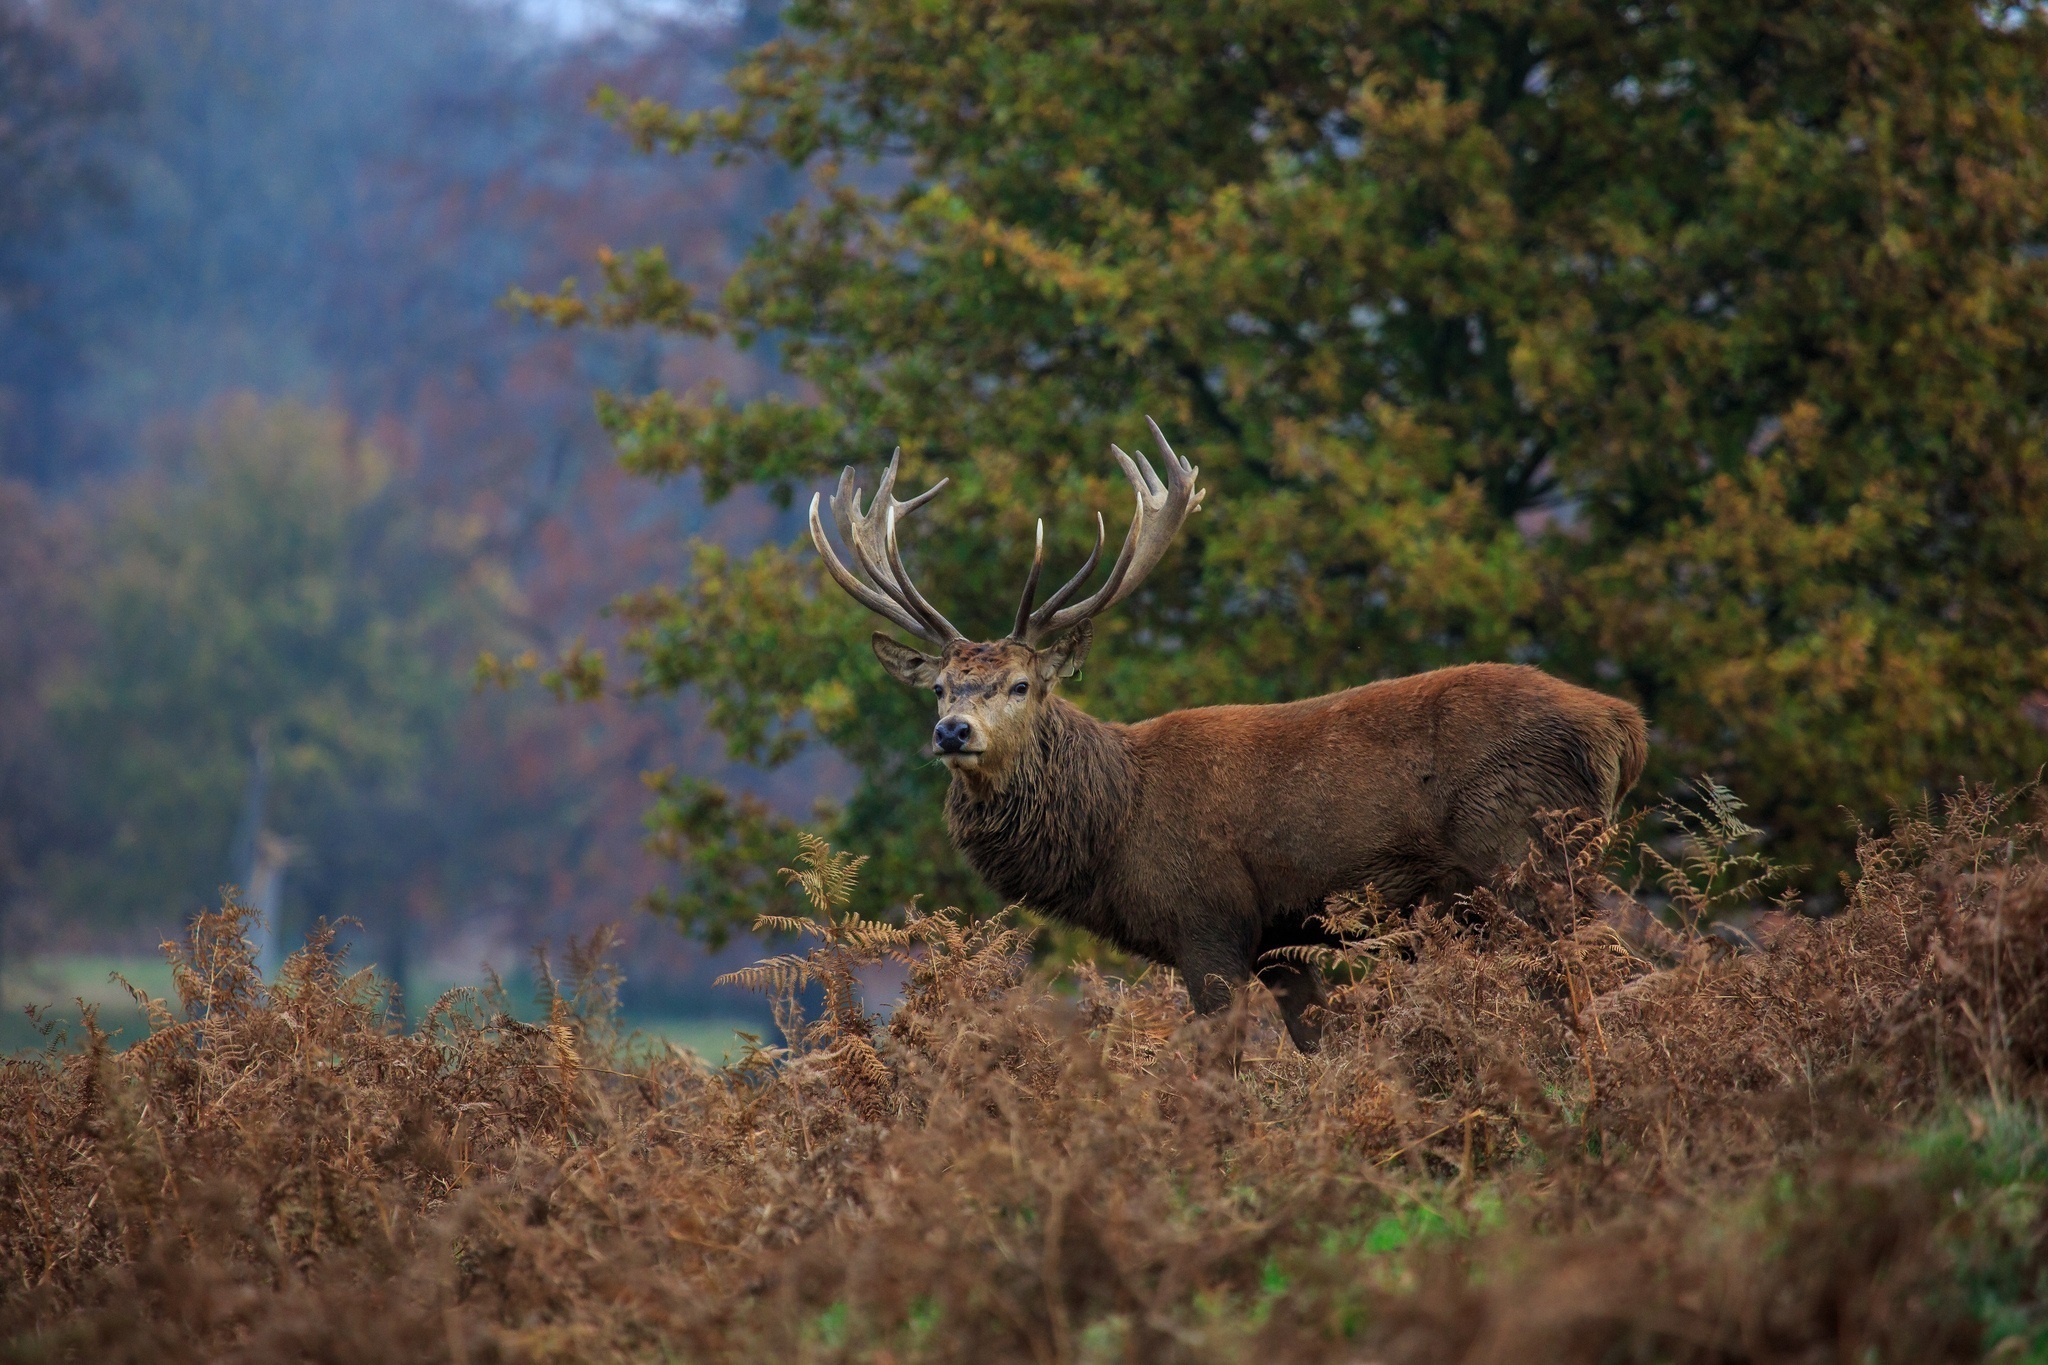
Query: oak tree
[[1693, 351]]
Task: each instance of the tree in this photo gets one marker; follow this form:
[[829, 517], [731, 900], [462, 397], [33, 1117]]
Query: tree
[[1692, 351], [268, 592], [38, 633], [328, 200], [54, 105]]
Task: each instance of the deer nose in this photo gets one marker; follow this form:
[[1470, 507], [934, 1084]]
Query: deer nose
[[950, 735]]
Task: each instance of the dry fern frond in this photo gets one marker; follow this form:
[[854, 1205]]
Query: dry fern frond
[[783, 975], [788, 924], [1709, 873], [154, 1011], [562, 1033], [162, 1043], [827, 879], [287, 1176]]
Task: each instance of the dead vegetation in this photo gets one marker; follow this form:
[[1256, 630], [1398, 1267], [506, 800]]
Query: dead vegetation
[[1546, 1125]]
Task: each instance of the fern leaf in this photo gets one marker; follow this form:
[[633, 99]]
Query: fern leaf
[[826, 878]]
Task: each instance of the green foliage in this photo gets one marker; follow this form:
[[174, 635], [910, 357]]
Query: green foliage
[[721, 843], [1694, 352], [267, 587], [1990, 1163], [638, 289], [780, 664]]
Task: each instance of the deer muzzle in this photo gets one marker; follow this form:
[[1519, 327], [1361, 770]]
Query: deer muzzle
[[954, 737]]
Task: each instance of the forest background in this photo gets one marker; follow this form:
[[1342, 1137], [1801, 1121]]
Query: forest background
[[276, 466], [1695, 355]]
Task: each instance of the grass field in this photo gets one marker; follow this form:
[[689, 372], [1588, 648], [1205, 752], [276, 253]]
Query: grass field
[[1550, 1126], [55, 983]]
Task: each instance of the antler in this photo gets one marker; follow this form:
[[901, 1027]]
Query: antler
[[879, 582], [872, 537], [1160, 511]]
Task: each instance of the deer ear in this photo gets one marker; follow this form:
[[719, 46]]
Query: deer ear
[[905, 664], [1066, 655]]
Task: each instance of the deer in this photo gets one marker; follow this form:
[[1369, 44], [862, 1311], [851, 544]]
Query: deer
[[1205, 839]]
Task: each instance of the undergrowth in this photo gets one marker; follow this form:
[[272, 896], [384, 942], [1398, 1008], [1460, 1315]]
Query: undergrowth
[[1551, 1122]]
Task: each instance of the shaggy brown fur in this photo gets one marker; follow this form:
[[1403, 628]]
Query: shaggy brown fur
[[1206, 839]]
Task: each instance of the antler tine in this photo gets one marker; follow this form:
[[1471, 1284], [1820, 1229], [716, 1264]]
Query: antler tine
[[1175, 463], [1145, 484], [1030, 631], [863, 530], [911, 595], [845, 501], [855, 529], [871, 557], [859, 527], [867, 533], [1051, 622], [875, 602], [906, 508], [885, 491], [1030, 584], [1049, 619], [1157, 518]]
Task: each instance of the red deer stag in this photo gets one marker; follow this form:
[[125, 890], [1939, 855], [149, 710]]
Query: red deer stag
[[1203, 839]]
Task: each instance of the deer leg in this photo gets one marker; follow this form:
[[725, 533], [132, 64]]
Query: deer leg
[[1298, 990], [1212, 971]]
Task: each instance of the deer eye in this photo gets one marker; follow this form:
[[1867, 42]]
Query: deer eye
[[1020, 689], [938, 689]]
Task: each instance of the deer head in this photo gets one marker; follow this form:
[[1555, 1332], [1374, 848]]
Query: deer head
[[990, 694]]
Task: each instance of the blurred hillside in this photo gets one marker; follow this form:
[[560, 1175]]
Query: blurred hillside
[[209, 208]]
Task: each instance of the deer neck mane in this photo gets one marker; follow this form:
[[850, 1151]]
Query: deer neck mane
[[1042, 837]]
